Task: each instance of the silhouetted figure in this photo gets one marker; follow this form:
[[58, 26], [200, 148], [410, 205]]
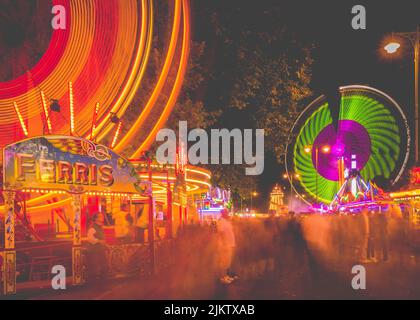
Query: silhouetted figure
[[372, 236], [96, 249], [383, 235], [364, 231], [228, 244]]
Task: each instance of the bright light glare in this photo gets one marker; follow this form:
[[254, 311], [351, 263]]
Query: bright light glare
[[392, 47], [326, 149]]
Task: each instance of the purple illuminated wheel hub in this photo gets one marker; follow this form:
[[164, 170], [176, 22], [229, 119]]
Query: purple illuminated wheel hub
[[352, 138]]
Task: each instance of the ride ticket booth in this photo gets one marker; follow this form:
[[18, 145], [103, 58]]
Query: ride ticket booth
[[70, 167]]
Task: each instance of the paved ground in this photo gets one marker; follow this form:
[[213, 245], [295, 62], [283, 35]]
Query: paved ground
[[299, 283], [289, 270]]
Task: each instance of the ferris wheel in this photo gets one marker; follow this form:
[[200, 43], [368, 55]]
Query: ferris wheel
[[368, 126]]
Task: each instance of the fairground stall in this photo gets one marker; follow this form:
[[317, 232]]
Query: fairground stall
[[211, 204], [77, 178], [409, 202], [175, 191], [74, 169], [52, 188]]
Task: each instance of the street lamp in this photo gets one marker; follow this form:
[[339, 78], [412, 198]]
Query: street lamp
[[391, 48], [324, 149], [254, 193]]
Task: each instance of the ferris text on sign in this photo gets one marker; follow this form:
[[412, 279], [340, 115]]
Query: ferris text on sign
[[53, 171]]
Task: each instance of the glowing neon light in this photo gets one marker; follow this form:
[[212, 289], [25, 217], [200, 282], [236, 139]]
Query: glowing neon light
[[177, 85], [369, 126], [46, 115], [208, 175], [82, 22], [160, 83], [71, 102], [22, 122], [142, 58]]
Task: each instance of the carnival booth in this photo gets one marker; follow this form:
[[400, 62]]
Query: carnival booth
[[175, 191], [212, 203], [78, 174], [409, 202]]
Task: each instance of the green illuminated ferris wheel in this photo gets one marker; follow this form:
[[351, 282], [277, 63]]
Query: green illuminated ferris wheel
[[368, 124]]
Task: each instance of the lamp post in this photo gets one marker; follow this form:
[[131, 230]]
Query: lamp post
[[253, 193], [392, 47], [324, 149]]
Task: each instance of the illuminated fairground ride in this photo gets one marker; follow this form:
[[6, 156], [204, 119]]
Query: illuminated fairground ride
[[65, 108], [368, 126], [212, 203], [104, 54], [89, 74]]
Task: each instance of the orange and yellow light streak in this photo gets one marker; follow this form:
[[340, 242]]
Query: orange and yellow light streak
[[49, 206], [160, 83], [71, 102], [137, 73], [149, 42], [177, 86], [199, 182], [46, 114], [202, 172], [21, 121], [83, 18], [83, 27]]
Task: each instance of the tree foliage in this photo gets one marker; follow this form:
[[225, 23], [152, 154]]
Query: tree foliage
[[268, 83]]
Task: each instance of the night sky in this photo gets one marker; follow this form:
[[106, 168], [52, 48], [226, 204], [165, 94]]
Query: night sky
[[342, 55]]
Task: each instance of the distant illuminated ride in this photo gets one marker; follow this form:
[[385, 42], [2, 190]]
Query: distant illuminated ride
[[369, 125]]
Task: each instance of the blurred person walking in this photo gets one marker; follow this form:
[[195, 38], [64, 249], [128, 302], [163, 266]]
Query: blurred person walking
[[364, 249], [141, 225], [373, 231], [96, 249], [122, 232], [228, 245], [382, 220]]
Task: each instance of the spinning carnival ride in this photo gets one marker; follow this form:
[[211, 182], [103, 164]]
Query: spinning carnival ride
[[104, 52], [368, 125], [93, 69]]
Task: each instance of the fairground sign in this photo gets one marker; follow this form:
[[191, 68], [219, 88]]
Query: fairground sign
[[67, 163]]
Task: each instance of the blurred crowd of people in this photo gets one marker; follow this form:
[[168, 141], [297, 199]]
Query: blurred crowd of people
[[232, 248]]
